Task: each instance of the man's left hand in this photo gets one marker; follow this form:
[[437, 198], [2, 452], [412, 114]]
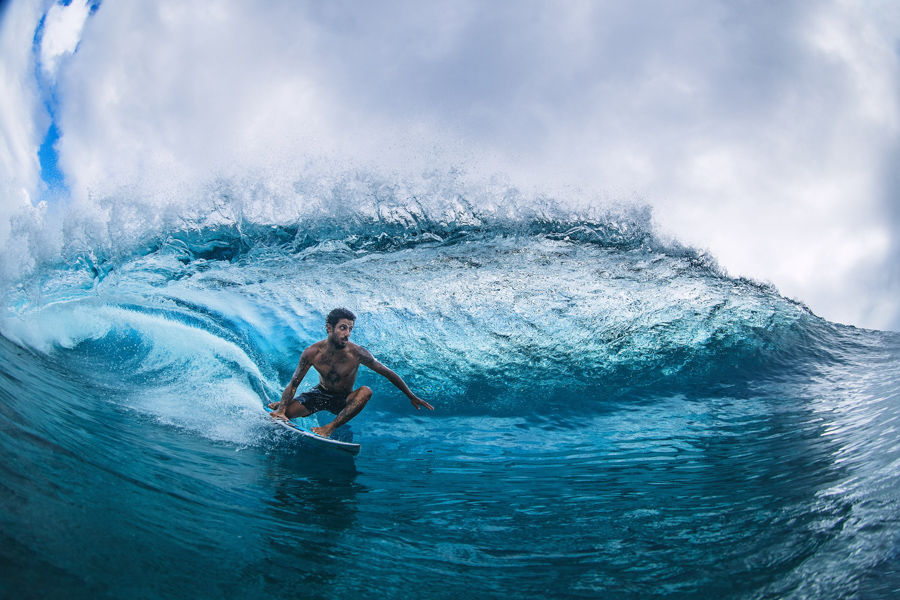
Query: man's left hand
[[419, 403]]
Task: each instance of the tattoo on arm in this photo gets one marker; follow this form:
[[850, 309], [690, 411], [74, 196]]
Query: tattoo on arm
[[287, 398], [366, 358]]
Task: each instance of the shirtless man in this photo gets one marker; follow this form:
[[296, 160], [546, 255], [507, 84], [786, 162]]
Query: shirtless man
[[337, 360]]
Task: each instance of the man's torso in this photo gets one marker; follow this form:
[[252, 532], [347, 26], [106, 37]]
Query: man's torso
[[337, 369]]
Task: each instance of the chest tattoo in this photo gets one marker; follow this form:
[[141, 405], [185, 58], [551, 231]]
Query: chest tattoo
[[333, 376]]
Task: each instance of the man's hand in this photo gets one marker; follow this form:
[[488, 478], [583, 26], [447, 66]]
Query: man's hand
[[419, 403], [277, 411]]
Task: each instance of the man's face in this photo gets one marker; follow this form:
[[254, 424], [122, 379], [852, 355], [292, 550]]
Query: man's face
[[339, 334]]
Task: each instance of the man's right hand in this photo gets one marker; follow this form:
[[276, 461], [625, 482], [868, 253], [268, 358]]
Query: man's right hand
[[277, 411]]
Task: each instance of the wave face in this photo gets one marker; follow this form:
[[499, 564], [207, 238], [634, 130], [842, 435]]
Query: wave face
[[614, 418]]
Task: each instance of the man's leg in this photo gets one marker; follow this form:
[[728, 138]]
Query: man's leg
[[356, 401]]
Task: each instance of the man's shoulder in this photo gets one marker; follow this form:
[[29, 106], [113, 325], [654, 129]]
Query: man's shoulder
[[361, 353], [315, 348]]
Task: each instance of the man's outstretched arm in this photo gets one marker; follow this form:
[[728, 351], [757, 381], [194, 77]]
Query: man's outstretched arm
[[366, 358]]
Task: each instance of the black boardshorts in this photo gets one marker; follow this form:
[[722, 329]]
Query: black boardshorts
[[318, 398]]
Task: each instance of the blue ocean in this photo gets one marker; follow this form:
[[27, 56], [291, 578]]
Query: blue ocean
[[615, 417]]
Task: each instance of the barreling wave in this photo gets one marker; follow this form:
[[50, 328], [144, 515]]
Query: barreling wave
[[488, 311]]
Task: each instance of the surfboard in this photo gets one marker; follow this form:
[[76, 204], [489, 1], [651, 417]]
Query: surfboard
[[325, 442]]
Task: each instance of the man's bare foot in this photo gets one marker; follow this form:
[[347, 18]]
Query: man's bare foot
[[323, 431], [274, 405]]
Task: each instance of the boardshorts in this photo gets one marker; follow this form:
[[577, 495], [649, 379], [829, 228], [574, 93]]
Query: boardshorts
[[318, 398]]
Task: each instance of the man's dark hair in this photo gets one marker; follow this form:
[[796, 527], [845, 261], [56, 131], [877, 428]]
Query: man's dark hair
[[338, 314]]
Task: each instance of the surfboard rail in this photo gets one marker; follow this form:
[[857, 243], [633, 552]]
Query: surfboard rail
[[325, 442]]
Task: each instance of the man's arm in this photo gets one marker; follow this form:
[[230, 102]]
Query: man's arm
[[287, 397], [366, 358]]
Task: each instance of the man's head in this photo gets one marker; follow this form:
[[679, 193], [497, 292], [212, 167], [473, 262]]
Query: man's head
[[338, 314], [339, 325]]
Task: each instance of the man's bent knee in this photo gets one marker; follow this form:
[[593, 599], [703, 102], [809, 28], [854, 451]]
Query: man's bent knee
[[362, 394]]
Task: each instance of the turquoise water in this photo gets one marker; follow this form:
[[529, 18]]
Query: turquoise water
[[614, 418]]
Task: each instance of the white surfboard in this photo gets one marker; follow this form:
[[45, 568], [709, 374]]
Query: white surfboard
[[318, 439]]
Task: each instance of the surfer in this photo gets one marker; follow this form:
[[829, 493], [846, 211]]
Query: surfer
[[337, 361]]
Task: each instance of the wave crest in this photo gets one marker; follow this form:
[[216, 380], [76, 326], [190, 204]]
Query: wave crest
[[228, 218]]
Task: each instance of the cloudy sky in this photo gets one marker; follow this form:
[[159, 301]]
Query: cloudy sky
[[765, 132]]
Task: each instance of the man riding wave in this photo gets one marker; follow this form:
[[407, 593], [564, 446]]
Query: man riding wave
[[337, 361]]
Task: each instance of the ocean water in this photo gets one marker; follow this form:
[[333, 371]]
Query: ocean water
[[614, 417]]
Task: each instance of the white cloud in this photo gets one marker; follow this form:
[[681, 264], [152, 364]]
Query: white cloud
[[798, 196], [22, 116], [179, 91], [62, 32]]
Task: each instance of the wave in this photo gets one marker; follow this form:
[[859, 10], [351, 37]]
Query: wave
[[610, 401], [472, 309]]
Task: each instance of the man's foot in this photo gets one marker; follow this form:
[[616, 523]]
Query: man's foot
[[274, 405]]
